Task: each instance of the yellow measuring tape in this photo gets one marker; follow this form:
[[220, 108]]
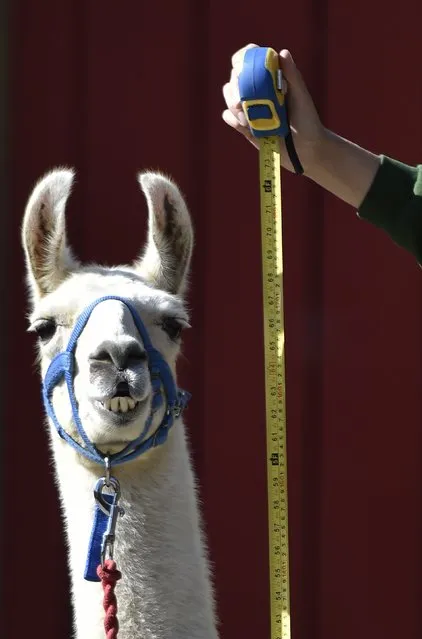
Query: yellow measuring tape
[[262, 98], [275, 388]]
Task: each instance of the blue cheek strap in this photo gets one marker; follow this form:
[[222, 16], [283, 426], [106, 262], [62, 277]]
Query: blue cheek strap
[[62, 368]]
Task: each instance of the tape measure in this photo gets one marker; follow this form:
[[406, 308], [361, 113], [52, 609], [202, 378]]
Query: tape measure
[[260, 86]]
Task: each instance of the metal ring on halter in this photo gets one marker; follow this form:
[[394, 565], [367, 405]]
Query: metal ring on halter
[[114, 485]]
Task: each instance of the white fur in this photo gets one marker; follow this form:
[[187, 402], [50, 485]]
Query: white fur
[[165, 591]]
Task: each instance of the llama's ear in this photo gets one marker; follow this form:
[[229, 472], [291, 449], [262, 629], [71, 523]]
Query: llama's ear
[[166, 259], [48, 258]]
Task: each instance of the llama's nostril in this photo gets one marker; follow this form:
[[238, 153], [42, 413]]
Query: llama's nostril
[[134, 354], [102, 356]]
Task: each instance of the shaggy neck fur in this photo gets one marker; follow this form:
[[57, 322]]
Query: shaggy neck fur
[[164, 591]]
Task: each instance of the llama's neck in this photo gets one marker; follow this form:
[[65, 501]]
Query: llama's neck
[[164, 592]]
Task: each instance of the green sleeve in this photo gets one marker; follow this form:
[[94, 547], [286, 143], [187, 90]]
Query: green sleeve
[[394, 204]]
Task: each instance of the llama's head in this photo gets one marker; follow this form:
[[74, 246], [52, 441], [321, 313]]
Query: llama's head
[[112, 380]]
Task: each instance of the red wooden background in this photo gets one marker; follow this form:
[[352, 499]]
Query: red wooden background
[[112, 88]]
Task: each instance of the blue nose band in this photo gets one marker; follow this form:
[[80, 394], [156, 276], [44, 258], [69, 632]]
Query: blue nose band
[[62, 368]]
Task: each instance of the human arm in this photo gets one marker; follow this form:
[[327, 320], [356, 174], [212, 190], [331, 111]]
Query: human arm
[[337, 165], [385, 192], [343, 168]]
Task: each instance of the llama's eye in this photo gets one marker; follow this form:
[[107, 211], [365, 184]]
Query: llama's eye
[[172, 327], [45, 329]]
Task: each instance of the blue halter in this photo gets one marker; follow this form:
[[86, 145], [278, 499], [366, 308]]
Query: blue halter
[[63, 367]]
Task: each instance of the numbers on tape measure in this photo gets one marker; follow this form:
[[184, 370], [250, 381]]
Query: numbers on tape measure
[[271, 237]]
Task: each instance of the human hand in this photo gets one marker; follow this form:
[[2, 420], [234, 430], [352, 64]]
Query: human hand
[[308, 132]]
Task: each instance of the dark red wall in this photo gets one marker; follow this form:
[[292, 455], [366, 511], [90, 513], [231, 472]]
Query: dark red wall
[[111, 90]]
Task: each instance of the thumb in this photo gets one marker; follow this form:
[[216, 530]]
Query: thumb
[[290, 70]]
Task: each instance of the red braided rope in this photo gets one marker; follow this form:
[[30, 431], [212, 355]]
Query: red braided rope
[[109, 576]]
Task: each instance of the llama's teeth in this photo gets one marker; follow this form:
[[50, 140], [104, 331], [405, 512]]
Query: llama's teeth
[[114, 403], [120, 404]]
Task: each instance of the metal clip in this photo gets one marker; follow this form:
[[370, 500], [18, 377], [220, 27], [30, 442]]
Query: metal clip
[[109, 537], [107, 470], [113, 511], [177, 411]]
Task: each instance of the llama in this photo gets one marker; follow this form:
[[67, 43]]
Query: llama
[[166, 590]]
